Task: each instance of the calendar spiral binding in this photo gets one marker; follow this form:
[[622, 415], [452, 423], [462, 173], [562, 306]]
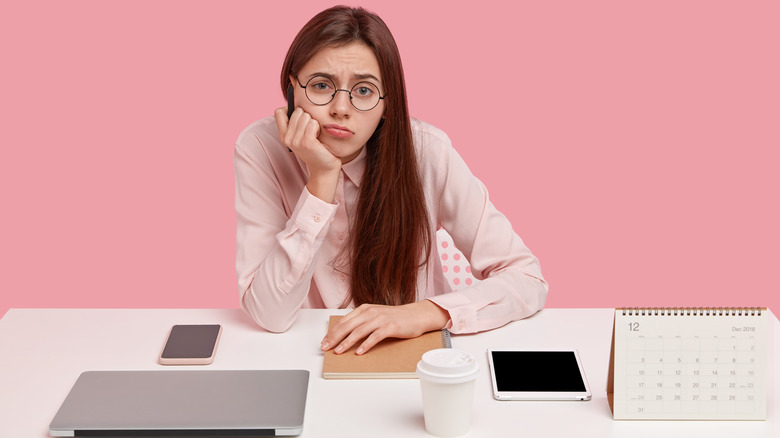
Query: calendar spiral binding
[[692, 311], [446, 341]]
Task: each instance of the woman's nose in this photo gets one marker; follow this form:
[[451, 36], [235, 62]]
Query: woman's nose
[[341, 103]]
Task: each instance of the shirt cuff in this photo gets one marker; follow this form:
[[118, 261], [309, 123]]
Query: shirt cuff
[[312, 214], [463, 315]]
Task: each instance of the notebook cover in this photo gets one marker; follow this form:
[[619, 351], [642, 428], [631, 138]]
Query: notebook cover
[[392, 358]]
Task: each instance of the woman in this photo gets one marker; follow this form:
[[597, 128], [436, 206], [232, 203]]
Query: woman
[[338, 204]]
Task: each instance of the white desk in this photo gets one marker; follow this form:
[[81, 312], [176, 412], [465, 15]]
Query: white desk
[[43, 351]]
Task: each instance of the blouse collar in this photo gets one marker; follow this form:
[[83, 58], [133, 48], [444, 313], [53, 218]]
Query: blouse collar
[[356, 168]]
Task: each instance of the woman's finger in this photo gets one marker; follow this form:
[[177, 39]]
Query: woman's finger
[[282, 121], [374, 338]]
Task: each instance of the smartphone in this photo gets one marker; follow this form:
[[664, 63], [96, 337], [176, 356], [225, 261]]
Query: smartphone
[[191, 345], [538, 374], [290, 100], [290, 104]]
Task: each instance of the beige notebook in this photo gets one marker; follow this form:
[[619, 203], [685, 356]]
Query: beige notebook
[[392, 358]]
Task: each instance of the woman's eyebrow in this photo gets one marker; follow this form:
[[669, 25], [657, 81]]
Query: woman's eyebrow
[[359, 76], [321, 73], [366, 76]]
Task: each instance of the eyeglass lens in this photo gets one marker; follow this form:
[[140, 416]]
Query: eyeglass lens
[[321, 90]]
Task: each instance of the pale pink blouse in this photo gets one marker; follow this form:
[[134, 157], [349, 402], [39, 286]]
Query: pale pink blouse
[[288, 239]]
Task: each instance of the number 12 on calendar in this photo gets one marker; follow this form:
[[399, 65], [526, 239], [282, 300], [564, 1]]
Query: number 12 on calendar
[[688, 364]]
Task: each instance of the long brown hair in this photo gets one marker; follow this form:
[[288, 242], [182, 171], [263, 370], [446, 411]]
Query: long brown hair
[[391, 235]]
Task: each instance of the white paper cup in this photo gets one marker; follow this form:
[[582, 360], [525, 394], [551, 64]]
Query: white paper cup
[[447, 383]]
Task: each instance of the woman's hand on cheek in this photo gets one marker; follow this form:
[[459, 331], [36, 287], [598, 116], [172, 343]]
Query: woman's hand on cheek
[[375, 322], [300, 134]]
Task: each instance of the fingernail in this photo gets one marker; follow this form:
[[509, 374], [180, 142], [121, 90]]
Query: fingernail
[[359, 351], [324, 345], [339, 349]]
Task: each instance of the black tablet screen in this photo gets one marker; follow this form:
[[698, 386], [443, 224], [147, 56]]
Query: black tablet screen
[[537, 371]]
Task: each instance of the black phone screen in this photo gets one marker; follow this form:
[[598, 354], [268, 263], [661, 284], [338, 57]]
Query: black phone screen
[[191, 341]]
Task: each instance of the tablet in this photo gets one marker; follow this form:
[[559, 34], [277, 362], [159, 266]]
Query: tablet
[[537, 374]]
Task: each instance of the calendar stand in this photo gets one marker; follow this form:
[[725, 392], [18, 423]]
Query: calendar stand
[[688, 364]]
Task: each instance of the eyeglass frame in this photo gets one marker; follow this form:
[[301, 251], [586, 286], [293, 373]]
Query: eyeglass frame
[[336, 90]]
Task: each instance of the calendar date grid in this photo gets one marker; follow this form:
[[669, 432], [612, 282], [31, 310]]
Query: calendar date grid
[[690, 374]]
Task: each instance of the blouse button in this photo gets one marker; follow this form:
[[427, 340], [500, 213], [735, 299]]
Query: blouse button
[[460, 325], [341, 236], [342, 277], [317, 218]]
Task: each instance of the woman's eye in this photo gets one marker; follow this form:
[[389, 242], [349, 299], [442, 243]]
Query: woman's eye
[[363, 91], [321, 86]]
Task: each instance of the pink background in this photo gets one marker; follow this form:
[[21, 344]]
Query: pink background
[[634, 145]]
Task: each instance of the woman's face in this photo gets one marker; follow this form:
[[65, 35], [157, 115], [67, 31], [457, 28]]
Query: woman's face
[[343, 128]]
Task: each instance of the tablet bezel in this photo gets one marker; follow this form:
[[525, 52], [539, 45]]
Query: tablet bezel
[[542, 395]]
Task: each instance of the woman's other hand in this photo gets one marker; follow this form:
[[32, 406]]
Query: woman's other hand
[[377, 322]]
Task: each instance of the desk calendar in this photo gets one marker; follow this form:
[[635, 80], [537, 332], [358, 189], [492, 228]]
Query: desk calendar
[[688, 364]]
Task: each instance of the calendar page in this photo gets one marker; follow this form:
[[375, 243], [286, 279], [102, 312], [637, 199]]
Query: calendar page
[[689, 364]]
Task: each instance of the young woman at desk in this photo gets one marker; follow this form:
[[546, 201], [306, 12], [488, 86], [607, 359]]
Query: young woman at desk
[[338, 204]]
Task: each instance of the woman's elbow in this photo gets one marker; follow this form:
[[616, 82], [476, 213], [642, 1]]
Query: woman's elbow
[[269, 321], [537, 295]]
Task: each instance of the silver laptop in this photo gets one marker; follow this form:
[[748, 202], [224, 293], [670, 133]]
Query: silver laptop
[[225, 403]]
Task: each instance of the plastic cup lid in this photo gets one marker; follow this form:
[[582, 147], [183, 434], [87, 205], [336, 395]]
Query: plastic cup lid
[[447, 365]]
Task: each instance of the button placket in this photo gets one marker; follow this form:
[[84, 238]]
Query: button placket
[[341, 222], [337, 234]]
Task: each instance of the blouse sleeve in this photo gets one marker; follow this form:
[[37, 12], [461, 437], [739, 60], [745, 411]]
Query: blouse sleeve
[[276, 248], [512, 285]]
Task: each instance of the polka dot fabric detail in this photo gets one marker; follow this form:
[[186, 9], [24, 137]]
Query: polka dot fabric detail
[[454, 265]]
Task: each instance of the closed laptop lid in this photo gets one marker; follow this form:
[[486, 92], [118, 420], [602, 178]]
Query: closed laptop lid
[[184, 403]]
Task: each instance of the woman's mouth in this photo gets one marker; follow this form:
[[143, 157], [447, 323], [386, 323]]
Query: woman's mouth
[[338, 131]]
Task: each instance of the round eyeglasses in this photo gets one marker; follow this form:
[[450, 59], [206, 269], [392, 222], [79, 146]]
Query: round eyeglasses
[[320, 90]]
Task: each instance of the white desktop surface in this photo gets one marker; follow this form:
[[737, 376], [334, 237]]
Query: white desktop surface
[[43, 351]]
